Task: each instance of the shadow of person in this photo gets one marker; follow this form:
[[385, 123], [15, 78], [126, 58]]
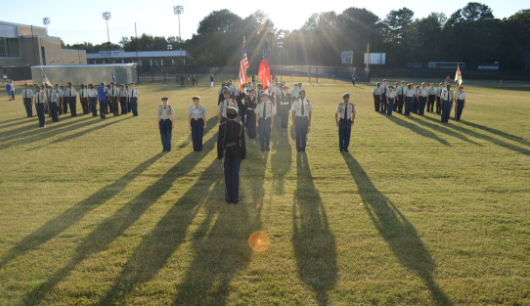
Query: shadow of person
[[281, 159], [210, 123], [497, 132], [399, 234], [314, 244], [443, 129], [115, 225], [416, 129]]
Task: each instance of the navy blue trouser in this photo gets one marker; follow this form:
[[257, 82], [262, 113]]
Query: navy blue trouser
[[71, 101], [459, 109], [242, 115], [102, 108], [251, 125], [166, 132], [446, 111], [123, 104], [54, 111], [301, 127], [40, 114], [383, 103], [27, 105], [421, 106], [232, 165], [408, 105], [223, 119], [65, 104], [197, 130], [344, 134], [390, 106], [93, 108], [134, 106], [415, 105], [264, 126]]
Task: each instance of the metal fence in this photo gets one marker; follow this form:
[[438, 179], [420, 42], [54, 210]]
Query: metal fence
[[386, 72]]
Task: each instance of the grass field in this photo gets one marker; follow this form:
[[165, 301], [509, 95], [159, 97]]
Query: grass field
[[420, 213]]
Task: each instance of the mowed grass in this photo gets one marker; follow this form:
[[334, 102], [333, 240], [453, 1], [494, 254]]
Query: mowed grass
[[420, 213]]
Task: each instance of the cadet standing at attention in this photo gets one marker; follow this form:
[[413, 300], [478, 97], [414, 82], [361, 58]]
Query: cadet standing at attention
[[424, 93], [377, 97], [71, 94], [60, 93], [92, 94], [251, 102], [26, 97], [294, 92], [409, 98], [134, 98], [102, 97], [231, 147], [224, 105], [284, 106], [460, 102], [114, 98], [447, 96], [396, 101], [401, 96], [301, 109], [54, 97], [438, 101], [382, 93], [432, 98], [197, 122], [39, 98], [390, 100], [344, 118], [128, 99], [84, 99], [265, 121], [416, 102], [166, 124], [122, 96], [64, 99]]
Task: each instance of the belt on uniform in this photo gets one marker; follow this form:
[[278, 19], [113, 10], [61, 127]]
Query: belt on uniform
[[196, 118], [301, 116], [285, 103], [231, 144], [165, 119], [265, 118], [250, 109]]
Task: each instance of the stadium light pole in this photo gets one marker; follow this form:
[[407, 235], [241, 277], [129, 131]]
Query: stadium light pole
[[46, 21], [107, 16], [179, 9]]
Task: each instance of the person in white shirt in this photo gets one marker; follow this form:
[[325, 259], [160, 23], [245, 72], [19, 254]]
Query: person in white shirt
[[122, 97], [71, 95], [460, 98], [344, 119], [224, 105], [424, 94], [53, 101], [301, 110], [39, 98], [447, 97], [83, 98], [26, 97], [113, 93], [134, 98], [92, 94], [409, 98], [265, 112]]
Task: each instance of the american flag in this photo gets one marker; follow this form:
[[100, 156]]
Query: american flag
[[243, 65]]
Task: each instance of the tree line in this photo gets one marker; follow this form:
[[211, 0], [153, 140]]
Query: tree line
[[471, 34]]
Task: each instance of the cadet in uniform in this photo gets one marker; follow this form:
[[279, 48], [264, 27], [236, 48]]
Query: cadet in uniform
[[438, 102], [224, 105], [114, 98], [294, 92], [92, 95], [251, 102], [128, 99], [460, 102], [197, 122], [377, 97], [134, 98], [301, 110], [446, 96], [26, 97], [54, 99], [83, 97], [231, 147], [71, 94], [240, 100], [401, 96], [390, 100], [409, 98], [344, 118], [382, 93], [284, 106], [416, 102], [122, 97], [396, 98], [39, 98], [424, 93], [432, 98], [64, 99], [166, 124], [265, 121], [102, 97], [60, 93], [48, 91]]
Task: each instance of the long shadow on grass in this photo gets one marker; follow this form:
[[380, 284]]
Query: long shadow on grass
[[497, 132], [484, 137], [314, 244], [281, 159], [71, 216], [416, 129], [443, 129], [20, 121], [114, 226], [34, 126], [399, 234], [209, 125]]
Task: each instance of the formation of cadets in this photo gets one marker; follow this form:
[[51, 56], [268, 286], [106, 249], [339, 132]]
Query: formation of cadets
[[58, 100], [415, 99]]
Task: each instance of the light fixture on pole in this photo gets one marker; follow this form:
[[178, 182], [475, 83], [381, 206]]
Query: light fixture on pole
[[106, 17], [179, 9], [169, 47], [46, 21]]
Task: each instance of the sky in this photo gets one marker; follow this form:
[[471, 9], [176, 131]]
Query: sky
[[75, 23]]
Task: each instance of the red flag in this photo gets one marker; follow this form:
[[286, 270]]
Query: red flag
[[243, 65], [264, 71]]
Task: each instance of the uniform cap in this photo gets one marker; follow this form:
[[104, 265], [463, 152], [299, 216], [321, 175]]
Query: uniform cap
[[384, 80], [251, 89], [402, 82], [226, 91], [232, 112], [195, 98], [260, 85], [377, 83], [55, 84], [285, 87], [295, 84], [423, 83], [102, 83], [265, 94], [391, 86], [441, 83], [165, 98], [345, 95]]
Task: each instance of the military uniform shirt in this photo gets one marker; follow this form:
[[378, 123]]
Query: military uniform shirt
[[82, 93], [297, 107], [27, 93], [438, 92], [391, 94], [447, 96], [226, 104], [432, 91], [197, 112], [383, 89], [376, 91], [269, 109], [134, 93], [402, 90], [424, 92], [92, 93], [340, 110], [460, 95], [295, 92], [123, 93], [39, 97], [410, 92], [59, 92], [113, 91], [54, 96], [165, 112], [285, 99], [70, 92]]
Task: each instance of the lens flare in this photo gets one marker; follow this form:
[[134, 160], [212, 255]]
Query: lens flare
[[259, 242]]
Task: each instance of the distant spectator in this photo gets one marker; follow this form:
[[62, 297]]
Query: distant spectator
[[113, 78]]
